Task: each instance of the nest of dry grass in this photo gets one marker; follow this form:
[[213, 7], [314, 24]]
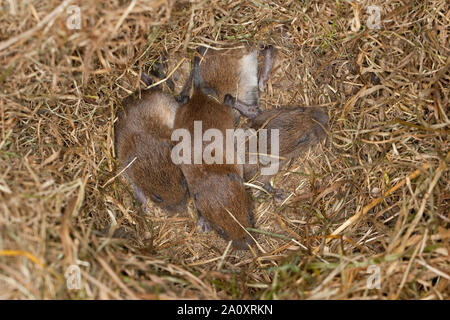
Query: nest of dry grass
[[377, 193]]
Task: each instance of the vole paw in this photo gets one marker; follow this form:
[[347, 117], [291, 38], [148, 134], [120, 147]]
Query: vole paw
[[203, 224], [229, 100], [146, 79], [252, 112], [277, 194]]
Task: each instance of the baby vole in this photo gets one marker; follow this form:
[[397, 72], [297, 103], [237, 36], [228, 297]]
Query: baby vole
[[299, 128], [143, 131], [217, 189]]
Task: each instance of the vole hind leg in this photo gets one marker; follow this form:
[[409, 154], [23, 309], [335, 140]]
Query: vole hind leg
[[184, 95], [268, 53], [140, 197], [194, 75], [249, 111]]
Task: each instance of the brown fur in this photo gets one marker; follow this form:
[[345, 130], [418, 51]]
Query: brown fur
[[217, 189], [143, 130], [221, 70], [299, 129]]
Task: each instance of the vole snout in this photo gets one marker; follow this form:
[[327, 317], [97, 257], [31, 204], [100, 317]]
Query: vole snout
[[241, 243], [318, 117]]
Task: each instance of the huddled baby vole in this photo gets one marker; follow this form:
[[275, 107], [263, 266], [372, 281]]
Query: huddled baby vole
[[299, 128], [217, 189], [143, 131]]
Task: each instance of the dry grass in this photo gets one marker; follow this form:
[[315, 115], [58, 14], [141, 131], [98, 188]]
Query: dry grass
[[376, 193]]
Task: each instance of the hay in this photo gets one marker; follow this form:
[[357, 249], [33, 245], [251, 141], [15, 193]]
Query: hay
[[377, 193]]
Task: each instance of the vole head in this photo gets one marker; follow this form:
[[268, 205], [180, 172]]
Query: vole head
[[226, 206], [165, 187], [299, 127]]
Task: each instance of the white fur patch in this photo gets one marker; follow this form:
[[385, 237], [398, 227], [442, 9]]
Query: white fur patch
[[248, 84], [165, 108], [173, 106]]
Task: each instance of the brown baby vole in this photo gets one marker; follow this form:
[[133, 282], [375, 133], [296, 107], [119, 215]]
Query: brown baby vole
[[299, 128], [143, 131], [217, 189]]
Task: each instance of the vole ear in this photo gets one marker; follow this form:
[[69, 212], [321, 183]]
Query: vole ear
[[234, 176], [221, 232]]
